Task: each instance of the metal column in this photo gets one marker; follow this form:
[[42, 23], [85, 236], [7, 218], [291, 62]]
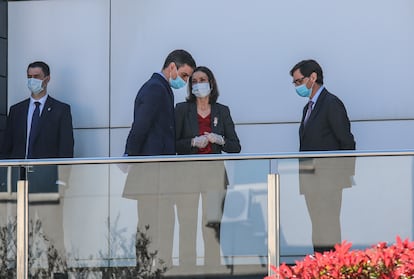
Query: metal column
[[273, 220], [22, 229]]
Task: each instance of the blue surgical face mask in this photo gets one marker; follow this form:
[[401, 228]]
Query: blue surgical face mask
[[303, 91], [35, 85], [177, 83], [201, 89]]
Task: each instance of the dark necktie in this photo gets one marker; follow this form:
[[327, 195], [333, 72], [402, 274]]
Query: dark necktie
[[33, 129], [308, 112]]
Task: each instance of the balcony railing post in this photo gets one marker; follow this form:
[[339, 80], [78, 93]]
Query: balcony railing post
[[273, 218], [22, 229]]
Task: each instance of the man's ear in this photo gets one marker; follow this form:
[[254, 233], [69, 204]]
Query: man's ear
[[46, 80], [171, 66], [171, 70], [313, 77]]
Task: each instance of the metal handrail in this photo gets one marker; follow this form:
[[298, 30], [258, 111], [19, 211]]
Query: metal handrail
[[206, 157]]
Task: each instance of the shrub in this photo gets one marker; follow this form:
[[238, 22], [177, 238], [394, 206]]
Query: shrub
[[379, 261]]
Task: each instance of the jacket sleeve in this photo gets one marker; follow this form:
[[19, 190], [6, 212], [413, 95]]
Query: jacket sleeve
[[66, 141], [8, 140], [232, 142], [341, 125], [146, 109]]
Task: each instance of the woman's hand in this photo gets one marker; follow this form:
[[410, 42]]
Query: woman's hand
[[215, 138], [199, 142]]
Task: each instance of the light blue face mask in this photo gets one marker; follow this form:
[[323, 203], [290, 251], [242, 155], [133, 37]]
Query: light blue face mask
[[303, 91], [177, 83], [35, 85], [201, 89]]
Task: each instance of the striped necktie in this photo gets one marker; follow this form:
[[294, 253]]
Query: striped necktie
[[308, 112]]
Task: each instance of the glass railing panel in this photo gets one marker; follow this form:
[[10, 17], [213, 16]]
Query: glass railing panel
[[325, 200], [192, 218], [295, 225], [68, 220], [206, 218], [244, 223], [379, 205], [8, 225]]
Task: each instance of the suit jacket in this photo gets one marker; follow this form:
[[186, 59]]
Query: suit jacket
[[328, 128], [55, 136], [167, 177], [53, 140], [153, 129], [187, 128]]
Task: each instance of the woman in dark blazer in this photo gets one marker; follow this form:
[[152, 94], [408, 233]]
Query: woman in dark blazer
[[203, 126], [199, 106]]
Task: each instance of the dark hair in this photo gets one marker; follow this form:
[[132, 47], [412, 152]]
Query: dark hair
[[213, 85], [307, 67], [180, 57], [39, 64]]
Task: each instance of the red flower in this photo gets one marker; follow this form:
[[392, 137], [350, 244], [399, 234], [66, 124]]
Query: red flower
[[380, 261]]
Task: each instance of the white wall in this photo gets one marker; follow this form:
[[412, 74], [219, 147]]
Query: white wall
[[101, 51], [73, 38]]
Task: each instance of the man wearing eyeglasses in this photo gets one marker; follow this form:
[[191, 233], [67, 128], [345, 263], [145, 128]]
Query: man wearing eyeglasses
[[325, 126]]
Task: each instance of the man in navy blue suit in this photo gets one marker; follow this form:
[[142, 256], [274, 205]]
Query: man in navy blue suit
[[153, 129], [324, 126], [54, 133], [40, 127], [51, 138], [153, 133]]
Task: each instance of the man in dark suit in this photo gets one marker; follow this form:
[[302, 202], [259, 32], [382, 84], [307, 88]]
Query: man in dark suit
[[153, 129], [324, 126], [153, 133], [40, 127], [53, 137]]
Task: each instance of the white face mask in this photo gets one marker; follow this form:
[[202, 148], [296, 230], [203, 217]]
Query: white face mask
[[201, 89], [35, 85]]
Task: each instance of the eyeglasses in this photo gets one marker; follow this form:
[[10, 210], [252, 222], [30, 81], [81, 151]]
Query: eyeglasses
[[298, 81]]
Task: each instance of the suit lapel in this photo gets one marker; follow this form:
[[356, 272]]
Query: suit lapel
[[318, 104], [317, 107], [216, 121], [45, 115], [215, 118], [193, 118], [22, 116]]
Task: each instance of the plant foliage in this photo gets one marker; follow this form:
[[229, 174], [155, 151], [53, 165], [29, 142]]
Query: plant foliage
[[380, 261]]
